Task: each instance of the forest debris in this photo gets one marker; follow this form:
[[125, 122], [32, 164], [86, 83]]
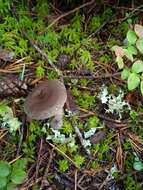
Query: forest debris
[[6, 55], [12, 86], [119, 155], [70, 103], [97, 137]]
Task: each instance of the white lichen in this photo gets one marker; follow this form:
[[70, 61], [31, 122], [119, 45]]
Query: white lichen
[[115, 104], [7, 119], [89, 133], [86, 143], [103, 95], [111, 172], [58, 137]]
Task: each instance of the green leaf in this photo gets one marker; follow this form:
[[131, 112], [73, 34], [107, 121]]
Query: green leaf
[[119, 61], [138, 166], [137, 67], [119, 52], [13, 124], [133, 81], [141, 87], [5, 110], [139, 45], [131, 37], [11, 186], [139, 30], [18, 176], [4, 169], [132, 50], [3, 182], [20, 164], [125, 74], [129, 54]]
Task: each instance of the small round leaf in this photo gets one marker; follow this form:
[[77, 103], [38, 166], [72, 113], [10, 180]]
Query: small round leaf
[[129, 54], [139, 30], [119, 52], [3, 182], [137, 67], [18, 176], [132, 50], [131, 37], [133, 81], [125, 74], [119, 61], [20, 164], [11, 186], [138, 166], [4, 169], [139, 45], [141, 87]]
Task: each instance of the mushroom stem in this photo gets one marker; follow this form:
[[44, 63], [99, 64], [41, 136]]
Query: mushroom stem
[[57, 121]]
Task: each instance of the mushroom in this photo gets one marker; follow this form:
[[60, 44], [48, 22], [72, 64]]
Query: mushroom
[[47, 100]]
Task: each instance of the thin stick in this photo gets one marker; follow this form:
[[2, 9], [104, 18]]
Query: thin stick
[[45, 57], [75, 179], [130, 15], [92, 76], [3, 135], [17, 158], [53, 146], [33, 43], [47, 169], [100, 116], [31, 184], [70, 12], [78, 133], [38, 159]]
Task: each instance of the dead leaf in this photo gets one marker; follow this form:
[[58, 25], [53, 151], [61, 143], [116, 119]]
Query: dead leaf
[[119, 155], [119, 158], [6, 55], [97, 137], [119, 52], [136, 142], [139, 30], [70, 103]]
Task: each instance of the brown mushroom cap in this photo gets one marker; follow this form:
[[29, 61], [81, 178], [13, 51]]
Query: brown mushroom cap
[[46, 100]]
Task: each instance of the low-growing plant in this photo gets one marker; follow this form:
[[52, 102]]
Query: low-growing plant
[[130, 183], [138, 165], [92, 122], [79, 160], [7, 119], [12, 175], [85, 100], [133, 51], [63, 165]]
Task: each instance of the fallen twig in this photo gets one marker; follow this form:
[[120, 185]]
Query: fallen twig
[[75, 179], [100, 116], [38, 160], [66, 156], [21, 136], [92, 76], [47, 169], [70, 12], [78, 133]]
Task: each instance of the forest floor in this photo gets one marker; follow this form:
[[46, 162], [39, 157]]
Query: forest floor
[[96, 49]]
